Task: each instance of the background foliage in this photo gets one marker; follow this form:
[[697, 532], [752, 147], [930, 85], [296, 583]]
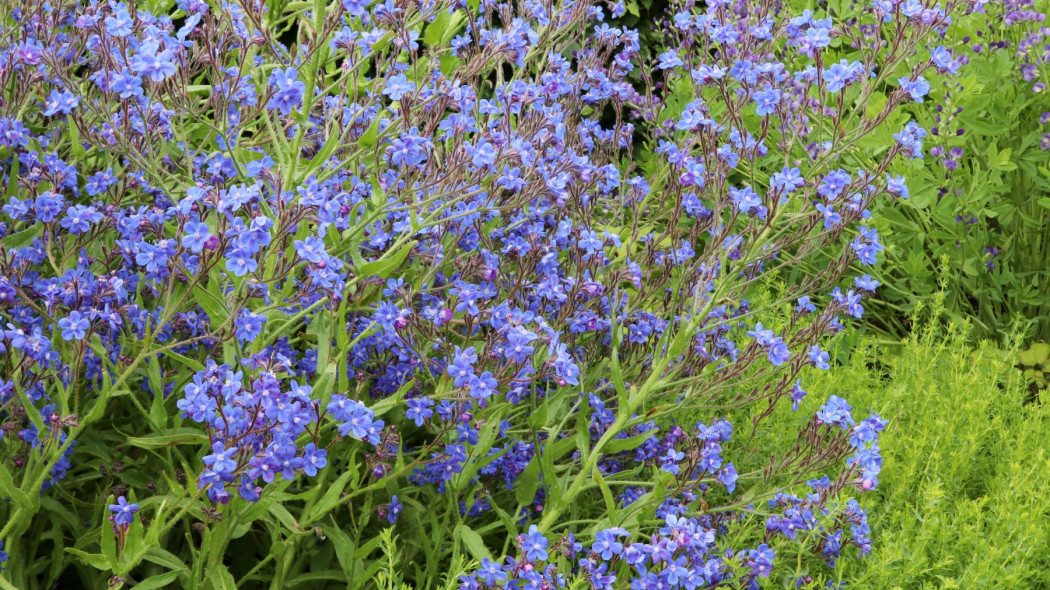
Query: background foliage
[[964, 498], [982, 200]]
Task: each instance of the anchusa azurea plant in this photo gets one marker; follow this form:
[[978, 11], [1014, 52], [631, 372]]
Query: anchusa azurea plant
[[278, 276]]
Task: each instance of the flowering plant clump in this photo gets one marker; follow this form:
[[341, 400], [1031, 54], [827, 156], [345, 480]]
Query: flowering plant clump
[[983, 196], [285, 273]]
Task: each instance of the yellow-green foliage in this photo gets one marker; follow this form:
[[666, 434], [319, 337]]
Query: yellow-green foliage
[[964, 496]]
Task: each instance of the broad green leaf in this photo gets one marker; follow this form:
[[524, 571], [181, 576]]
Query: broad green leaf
[[472, 541]]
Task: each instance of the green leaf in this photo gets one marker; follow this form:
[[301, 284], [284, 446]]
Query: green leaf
[[344, 549], [9, 489], [95, 560], [626, 444], [107, 538], [333, 494], [384, 266], [160, 581], [164, 558], [169, 438], [368, 138], [74, 141], [485, 439], [472, 541], [23, 238], [12, 182], [189, 363], [285, 517], [158, 414], [220, 578], [314, 577], [215, 308], [528, 482], [436, 29]]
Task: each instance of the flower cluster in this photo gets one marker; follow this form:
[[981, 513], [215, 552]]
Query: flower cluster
[[378, 234]]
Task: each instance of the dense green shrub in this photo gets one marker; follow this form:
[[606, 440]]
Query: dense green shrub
[[965, 498]]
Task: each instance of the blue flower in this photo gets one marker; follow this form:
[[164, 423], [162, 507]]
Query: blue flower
[[314, 459], [398, 86], [60, 102], [778, 352], [195, 235], [419, 410], [288, 90], [79, 219], [819, 358], [119, 25], [482, 386], [249, 325], [123, 513], [48, 206], [535, 545], [393, 510], [491, 573], [153, 63], [75, 326], [669, 60], [240, 262], [916, 89], [607, 544], [221, 460], [669, 462], [767, 101], [836, 411]]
